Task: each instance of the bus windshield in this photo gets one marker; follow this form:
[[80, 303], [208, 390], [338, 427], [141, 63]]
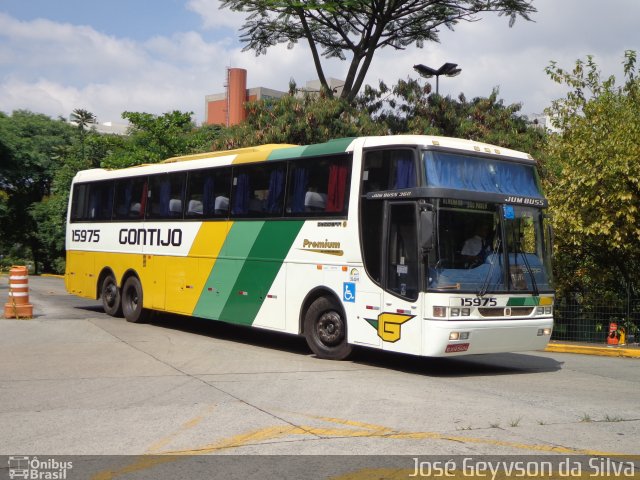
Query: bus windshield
[[489, 248]]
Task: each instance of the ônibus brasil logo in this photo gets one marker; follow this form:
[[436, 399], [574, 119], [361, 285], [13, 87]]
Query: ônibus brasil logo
[[37, 469]]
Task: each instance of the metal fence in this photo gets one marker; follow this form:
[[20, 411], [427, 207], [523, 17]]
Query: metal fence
[[579, 321]]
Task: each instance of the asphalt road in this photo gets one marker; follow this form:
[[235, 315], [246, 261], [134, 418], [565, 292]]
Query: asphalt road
[[74, 381]]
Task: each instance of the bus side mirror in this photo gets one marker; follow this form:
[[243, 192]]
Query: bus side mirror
[[426, 230]]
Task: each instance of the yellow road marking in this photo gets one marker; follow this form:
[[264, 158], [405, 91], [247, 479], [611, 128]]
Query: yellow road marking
[[360, 430], [188, 425]]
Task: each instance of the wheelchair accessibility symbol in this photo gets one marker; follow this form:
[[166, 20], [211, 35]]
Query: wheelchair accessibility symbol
[[349, 292]]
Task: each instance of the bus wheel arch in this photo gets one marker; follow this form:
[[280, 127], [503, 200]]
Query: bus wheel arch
[[109, 292], [324, 325], [132, 297]]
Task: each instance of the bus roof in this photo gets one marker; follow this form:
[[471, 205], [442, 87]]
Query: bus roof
[[287, 151]]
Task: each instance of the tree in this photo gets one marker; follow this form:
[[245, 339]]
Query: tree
[[409, 107], [30, 146], [82, 118], [595, 183], [335, 29], [298, 120], [154, 138]]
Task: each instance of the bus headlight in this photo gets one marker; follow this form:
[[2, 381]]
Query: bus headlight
[[544, 332], [440, 312], [459, 336]]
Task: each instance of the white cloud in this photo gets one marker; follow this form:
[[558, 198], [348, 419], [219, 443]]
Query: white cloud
[[215, 17], [52, 67]]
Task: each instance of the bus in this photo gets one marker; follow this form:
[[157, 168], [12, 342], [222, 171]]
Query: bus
[[423, 245]]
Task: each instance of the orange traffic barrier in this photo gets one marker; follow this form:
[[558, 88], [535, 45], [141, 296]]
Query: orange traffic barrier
[[612, 338], [18, 305]]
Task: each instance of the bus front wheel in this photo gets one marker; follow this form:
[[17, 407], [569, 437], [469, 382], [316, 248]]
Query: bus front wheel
[[110, 295], [325, 330], [132, 301]]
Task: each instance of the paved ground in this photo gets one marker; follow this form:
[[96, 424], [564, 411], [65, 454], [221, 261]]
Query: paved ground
[[75, 381]]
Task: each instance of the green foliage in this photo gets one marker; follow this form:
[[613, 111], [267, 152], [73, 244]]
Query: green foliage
[[595, 185], [152, 138], [358, 28], [409, 107], [298, 120], [82, 118], [31, 149]]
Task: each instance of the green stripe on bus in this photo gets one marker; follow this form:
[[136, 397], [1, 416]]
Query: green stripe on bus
[[259, 271], [523, 302], [219, 286], [338, 145], [286, 153]]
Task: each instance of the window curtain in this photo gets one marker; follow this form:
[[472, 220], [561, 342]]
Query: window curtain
[[94, 203], [143, 199], [405, 170], [276, 189], [124, 209], [241, 197], [337, 187], [107, 206], [300, 186], [164, 197], [208, 196], [460, 172]]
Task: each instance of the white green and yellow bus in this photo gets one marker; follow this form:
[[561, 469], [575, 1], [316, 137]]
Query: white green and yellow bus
[[357, 241]]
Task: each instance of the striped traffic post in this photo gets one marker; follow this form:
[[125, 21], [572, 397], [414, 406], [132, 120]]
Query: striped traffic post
[[18, 305]]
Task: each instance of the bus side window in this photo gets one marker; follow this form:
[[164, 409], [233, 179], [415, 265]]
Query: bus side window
[[130, 198], [258, 190], [166, 193], [389, 170], [318, 187], [208, 193]]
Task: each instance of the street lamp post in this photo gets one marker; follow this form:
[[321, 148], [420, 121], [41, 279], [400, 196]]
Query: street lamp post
[[448, 70]]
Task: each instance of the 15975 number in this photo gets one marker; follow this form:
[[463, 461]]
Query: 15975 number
[[478, 302], [85, 235]]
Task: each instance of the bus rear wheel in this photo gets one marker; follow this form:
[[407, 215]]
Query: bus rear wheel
[[132, 301], [325, 330], [110, 295]]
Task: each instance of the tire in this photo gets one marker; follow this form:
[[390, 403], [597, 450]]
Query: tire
[[325, 330], [110, 295], [132, 301]]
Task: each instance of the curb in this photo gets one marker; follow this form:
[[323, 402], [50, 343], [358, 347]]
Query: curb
[[602, 351]]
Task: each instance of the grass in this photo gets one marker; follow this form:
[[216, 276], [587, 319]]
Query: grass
[[586, 418], [515, 422]]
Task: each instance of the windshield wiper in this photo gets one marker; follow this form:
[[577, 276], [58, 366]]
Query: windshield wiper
[[487, 279], [534, 285]]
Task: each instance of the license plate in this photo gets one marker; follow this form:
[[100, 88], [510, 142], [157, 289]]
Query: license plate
[[457, 347]]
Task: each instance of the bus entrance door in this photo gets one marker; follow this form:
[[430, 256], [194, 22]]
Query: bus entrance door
[[400, 331]]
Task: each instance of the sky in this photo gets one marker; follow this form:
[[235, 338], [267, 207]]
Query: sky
[[156, 56]]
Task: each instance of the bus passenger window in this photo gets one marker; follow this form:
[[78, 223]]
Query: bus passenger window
[[92, 201], [208, 193], [258, 190], [130, 198], [165, 196], [318, 187], [389, 170]]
